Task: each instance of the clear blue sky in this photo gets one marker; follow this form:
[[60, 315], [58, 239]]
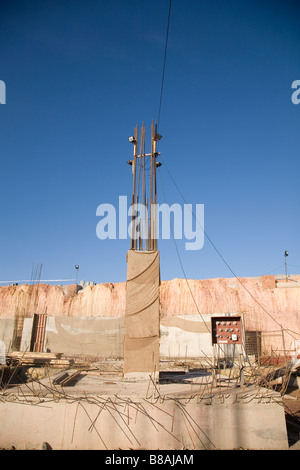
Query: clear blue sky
[[81, 74]]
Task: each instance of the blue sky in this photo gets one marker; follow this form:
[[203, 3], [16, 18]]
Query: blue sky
[[80, 75]]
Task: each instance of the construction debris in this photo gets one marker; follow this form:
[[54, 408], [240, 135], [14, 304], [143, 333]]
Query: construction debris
[[181, 395]]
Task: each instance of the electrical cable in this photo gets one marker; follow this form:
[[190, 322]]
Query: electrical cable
[[274, 270], [164, 65], [223, 259], [207, 236], [39, 280], [181, 264]]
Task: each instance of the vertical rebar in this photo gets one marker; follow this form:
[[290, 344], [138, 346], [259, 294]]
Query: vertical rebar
[[136, 136]]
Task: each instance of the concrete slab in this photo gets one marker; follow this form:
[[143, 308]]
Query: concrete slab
[[103, 412]]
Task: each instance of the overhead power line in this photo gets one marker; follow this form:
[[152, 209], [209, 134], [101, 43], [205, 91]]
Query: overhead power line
[[181, 264], [207, 236], [39, 280], [164, 65], [222, 257]]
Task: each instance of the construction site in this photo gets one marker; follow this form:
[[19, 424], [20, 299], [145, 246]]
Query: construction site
[[150, 364], [175, 362]]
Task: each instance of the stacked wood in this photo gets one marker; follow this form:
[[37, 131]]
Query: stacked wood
[[37, 358]]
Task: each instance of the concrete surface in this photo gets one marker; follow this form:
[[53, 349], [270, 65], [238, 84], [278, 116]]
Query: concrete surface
[[103, 412]]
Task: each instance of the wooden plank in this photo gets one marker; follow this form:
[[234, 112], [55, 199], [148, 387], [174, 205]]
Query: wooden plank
[[60, 377], [37, 355], [69, 381]]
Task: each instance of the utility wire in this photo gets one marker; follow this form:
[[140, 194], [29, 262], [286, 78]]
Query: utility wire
[[164, 65], [273, 270], [223, 259], [207, 236], [181, 264], [39, 280]]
